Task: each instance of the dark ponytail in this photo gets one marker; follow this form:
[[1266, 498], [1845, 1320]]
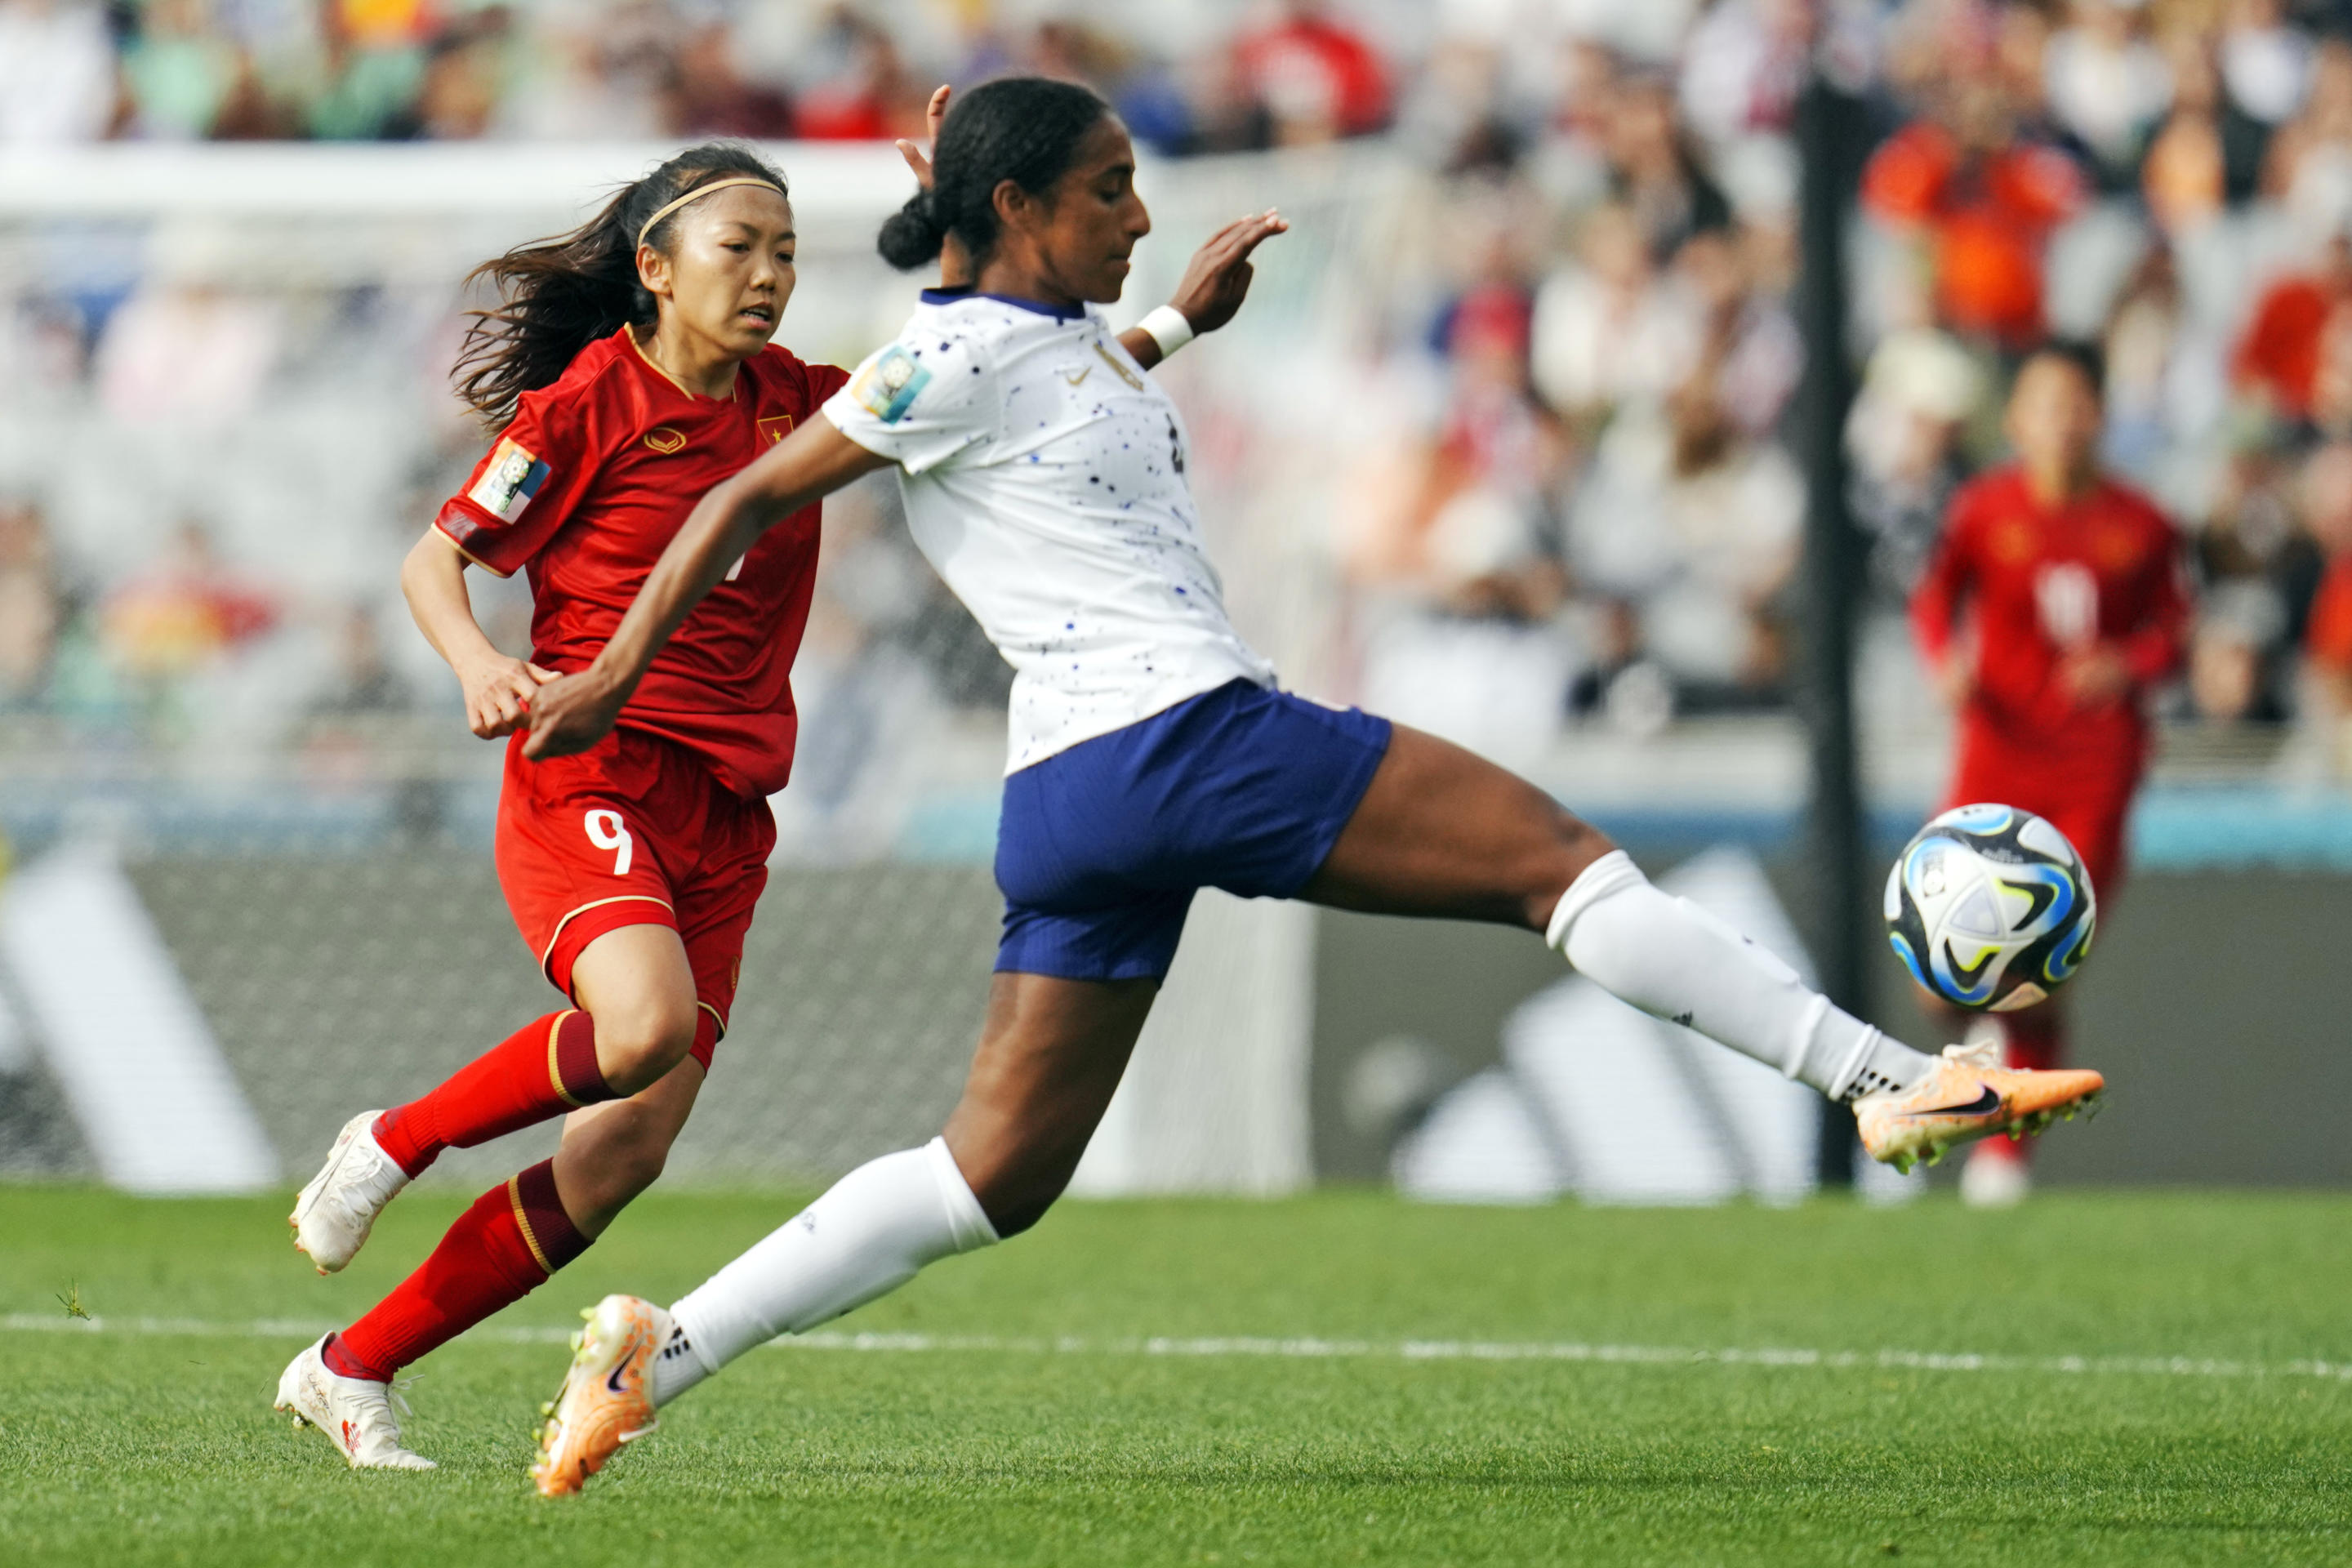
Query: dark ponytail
[[557, 296], [1025, 129]]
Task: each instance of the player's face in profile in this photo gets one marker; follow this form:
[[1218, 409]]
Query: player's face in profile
[[1094, 217], [729, 273], [2053, 416]]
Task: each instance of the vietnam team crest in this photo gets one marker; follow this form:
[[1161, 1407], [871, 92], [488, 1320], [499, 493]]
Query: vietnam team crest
[[509, 480], [775, 428], [886, 387]]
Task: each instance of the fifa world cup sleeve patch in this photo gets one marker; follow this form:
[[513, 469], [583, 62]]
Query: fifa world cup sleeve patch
[[886, 384], [512, 476]]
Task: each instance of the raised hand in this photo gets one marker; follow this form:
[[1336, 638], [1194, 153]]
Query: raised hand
[[1217, 278], [955, 267], [917, 158]]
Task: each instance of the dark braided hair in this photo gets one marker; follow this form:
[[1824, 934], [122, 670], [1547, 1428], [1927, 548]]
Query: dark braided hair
[[557, 296], [1025, 129]]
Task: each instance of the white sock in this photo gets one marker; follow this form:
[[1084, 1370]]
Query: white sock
[[1674, 961], [867, 1236]]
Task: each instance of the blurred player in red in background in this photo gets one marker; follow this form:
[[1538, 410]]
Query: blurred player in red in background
[[630, 364], [2053, 603]]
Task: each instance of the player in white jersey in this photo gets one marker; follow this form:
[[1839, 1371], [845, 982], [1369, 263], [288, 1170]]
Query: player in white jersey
[[1151, 755]]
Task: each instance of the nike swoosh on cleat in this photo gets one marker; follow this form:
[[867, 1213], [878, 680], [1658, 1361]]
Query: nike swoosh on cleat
[[1984, 1104], [614, 1382]]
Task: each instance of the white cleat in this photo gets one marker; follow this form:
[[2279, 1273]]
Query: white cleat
[[333, 1216], [351, 1411]]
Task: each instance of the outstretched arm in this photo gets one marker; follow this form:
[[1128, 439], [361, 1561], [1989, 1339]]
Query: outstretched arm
[[575, 711]]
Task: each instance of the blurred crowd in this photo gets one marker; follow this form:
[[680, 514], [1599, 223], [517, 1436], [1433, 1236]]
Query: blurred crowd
[[1596, 510], [1572, 498], [343, 70]]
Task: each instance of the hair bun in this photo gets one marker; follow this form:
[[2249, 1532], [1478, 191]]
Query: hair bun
[[913, 234]]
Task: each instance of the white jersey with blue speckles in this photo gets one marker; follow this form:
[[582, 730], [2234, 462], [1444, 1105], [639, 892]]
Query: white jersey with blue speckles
[[1044, 477]]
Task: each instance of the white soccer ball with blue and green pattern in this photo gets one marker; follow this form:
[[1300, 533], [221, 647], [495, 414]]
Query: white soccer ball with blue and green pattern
[[1990, 907]]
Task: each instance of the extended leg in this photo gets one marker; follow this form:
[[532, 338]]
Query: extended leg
[[523, 1230], [637, 1019], [505, 1245], [1443, 832], [1050, 1056]]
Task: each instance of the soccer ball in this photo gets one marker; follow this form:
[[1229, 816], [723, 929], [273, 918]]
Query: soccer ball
[[1990, 907]]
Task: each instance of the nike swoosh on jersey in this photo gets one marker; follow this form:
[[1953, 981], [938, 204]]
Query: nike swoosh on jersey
[[1082, 374], [1984, 1104]]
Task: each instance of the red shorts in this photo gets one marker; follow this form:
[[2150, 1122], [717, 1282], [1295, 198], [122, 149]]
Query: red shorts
[[2090, 803], [636, 832]]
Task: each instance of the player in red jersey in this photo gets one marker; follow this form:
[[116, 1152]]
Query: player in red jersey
[[2053, 603], [630, 365]]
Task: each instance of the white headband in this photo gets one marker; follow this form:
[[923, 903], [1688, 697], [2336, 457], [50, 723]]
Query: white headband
[[704, 191]]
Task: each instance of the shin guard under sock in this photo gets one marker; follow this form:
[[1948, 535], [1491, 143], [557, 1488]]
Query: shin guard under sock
[[866, 1237], [1674, 961], [500, 1250], [542, 1070]]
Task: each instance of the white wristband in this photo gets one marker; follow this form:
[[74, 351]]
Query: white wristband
[[1168, 328]]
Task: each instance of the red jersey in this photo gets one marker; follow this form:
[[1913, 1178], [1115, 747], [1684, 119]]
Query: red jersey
[[2038, 585], [586, 488]]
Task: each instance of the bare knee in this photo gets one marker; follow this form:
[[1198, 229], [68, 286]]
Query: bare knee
[[641, 1040]]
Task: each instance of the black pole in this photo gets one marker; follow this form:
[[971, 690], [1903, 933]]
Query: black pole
[[1830, 132]]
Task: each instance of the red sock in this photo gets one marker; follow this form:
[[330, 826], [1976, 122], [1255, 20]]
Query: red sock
[[542, 1070], [500, 1250]]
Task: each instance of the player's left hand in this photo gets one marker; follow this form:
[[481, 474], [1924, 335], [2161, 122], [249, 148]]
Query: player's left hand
[[955, 267], [1217, 278], [934, 112], [571, 714], [2095, 676]]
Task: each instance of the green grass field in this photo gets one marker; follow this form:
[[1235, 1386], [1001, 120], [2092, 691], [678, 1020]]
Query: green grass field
[[1068, 1436]]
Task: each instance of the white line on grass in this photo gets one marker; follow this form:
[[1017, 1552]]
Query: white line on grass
[[1302, 1349]]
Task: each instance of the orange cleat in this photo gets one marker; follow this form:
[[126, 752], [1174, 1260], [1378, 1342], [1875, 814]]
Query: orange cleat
[[1968, 1095], [606, 1399]]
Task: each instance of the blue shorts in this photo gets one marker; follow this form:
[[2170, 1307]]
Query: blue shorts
[[1101, 848]]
